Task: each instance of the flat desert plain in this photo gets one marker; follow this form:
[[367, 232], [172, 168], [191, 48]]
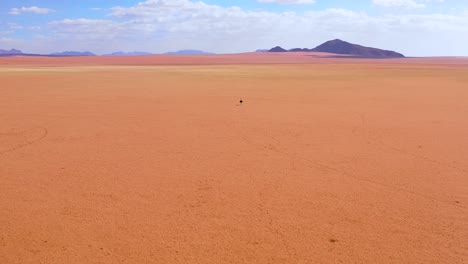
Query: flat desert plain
[[154, 160]]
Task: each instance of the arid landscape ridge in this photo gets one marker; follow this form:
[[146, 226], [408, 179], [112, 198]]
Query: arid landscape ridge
[[341, 47], [335, 46]]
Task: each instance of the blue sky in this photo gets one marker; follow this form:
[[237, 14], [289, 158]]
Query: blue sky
[[413, 27]]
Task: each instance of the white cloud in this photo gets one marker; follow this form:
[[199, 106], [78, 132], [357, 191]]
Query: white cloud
[[32, 9], [4, 40], [405, 4], [6, 32], [288, 1], [9, 43], [14, 26]]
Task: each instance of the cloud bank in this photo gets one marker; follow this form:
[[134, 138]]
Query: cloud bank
[[32, 9], [298, 2], [405, 4], [164, 25]]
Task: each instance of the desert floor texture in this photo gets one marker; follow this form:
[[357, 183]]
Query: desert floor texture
[[154, 160]]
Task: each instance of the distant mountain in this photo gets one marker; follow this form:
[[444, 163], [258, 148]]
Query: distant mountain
[[188, 52], [10, 52], [300, 50], [73, 53], [132, 53], [262, 50], [277, 49], [338, 46]]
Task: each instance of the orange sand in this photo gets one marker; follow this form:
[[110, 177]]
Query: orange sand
[[327, 161]]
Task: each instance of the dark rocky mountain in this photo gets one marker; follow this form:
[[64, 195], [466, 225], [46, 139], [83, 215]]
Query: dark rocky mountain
[[277, 49], [10, 52], [188, 52], [132, 53], [262, 50], [338, 46], [73, 53]]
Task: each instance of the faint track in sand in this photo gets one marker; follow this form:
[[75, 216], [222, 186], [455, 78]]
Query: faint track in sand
[[42, 135], [402, 151], [318, 164], [381, 142], [44, 132], [273, 187]]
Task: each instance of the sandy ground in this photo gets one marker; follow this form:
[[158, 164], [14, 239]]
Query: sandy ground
[[346, 161]]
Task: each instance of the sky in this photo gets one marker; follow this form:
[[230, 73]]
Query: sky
[[412, 27]]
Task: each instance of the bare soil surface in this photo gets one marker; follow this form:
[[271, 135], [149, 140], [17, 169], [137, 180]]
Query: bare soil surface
[[154, 160]]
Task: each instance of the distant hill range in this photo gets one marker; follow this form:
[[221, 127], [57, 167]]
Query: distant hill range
[[132, 53], [72, 54], [10, 52], [188, 52], [15, 52], [277, 49], [338, 46]]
